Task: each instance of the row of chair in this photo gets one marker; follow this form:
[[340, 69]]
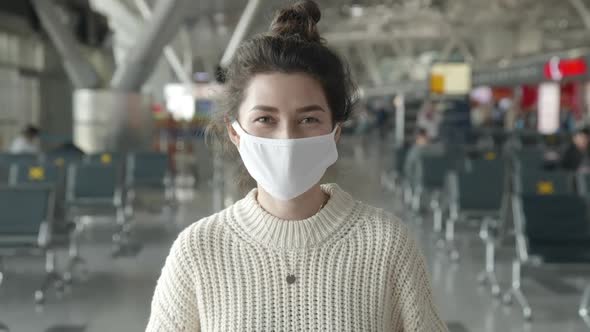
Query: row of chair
[[44, 202], [499, 137], [511, 198]]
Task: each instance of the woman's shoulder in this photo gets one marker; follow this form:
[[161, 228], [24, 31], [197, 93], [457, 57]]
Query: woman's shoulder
[[392, 235], [210, 223], [203, 230], [383, 223]]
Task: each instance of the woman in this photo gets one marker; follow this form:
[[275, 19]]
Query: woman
[[293, 254], [576, 157], [27, 141]]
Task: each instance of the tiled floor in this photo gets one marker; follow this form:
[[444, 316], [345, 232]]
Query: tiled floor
[[116, 295]]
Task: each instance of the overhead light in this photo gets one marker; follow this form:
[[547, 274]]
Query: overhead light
[[356, 10]]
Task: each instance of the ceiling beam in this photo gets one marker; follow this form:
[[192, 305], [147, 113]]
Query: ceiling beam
[[583, 11]]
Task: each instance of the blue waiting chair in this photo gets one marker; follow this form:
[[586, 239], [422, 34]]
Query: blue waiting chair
[[47, 175], [18, 158], [431, 176], [105, 158], [93, 190], [37, 174], [63, 159], [539, 182], [475, 193], [26, 224], [551, 225], [145, 171], [7, 160], [549, 229]]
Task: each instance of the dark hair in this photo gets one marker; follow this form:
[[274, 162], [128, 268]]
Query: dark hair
[[292, 45], [422, 132], [31, 131]]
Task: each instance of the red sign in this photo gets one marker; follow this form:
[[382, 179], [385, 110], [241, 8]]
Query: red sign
[[529, 97], [557, 69]]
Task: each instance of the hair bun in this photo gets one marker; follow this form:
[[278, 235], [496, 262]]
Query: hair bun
[[299, 19]]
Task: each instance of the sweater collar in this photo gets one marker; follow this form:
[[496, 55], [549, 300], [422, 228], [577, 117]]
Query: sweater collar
[[293, 234]]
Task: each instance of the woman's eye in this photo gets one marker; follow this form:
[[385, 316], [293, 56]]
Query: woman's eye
[[263, 119], [309, 120]]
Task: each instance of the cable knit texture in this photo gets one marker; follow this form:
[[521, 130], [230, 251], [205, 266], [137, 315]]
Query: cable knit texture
[[356, 268]]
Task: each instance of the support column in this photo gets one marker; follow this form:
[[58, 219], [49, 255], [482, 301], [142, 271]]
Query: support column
[[240, 32], [583, 11], [141, 59], [171, 56], [81, 73]]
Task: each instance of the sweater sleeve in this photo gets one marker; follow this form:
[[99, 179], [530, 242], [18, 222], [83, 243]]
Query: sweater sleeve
[[418, 311], [174, 304]]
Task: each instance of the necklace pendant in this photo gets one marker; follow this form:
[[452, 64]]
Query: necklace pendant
[[291, 279]]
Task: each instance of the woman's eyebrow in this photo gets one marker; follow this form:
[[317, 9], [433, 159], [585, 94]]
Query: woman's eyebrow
[[264, 108], [310, 108], [305, 109]]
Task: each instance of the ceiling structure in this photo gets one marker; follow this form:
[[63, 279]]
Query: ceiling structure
[[391, 40], [386, 41]]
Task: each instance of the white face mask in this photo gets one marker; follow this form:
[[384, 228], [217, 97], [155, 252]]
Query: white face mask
[[286, 168]]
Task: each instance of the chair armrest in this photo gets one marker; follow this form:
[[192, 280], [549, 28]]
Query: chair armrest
[[118, 197], [451, 191], [485, 231], [44, 238], [522, 252]]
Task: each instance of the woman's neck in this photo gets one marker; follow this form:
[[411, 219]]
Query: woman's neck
[[299, 208]]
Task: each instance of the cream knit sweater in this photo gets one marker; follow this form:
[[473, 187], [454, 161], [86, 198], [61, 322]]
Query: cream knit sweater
[[351, 267]]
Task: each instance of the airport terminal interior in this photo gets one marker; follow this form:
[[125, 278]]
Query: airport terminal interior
[[471, 127]]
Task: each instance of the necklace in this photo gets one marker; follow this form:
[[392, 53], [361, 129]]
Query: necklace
[[291, 278]]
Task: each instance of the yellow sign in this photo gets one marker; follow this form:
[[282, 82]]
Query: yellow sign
[[59, 162], [36, 174], [437, 83], [545, 188], [451, 78], [106, 158], [490, 155]]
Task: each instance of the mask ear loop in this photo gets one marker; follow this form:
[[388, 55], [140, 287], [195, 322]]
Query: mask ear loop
[[336, 126], [238, 128]]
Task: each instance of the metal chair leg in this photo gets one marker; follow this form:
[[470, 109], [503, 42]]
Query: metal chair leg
[[128, 203], [74, 246], [516, 292], [450, 238], [75, 260], [437, 225], [1, 270], [488, 275], [52, 279], [389, 182], [170, 191], [416, 201], [407, 195], [583, 310], [121, 236]]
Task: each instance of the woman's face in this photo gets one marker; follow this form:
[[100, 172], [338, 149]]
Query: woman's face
[[284, 106]]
